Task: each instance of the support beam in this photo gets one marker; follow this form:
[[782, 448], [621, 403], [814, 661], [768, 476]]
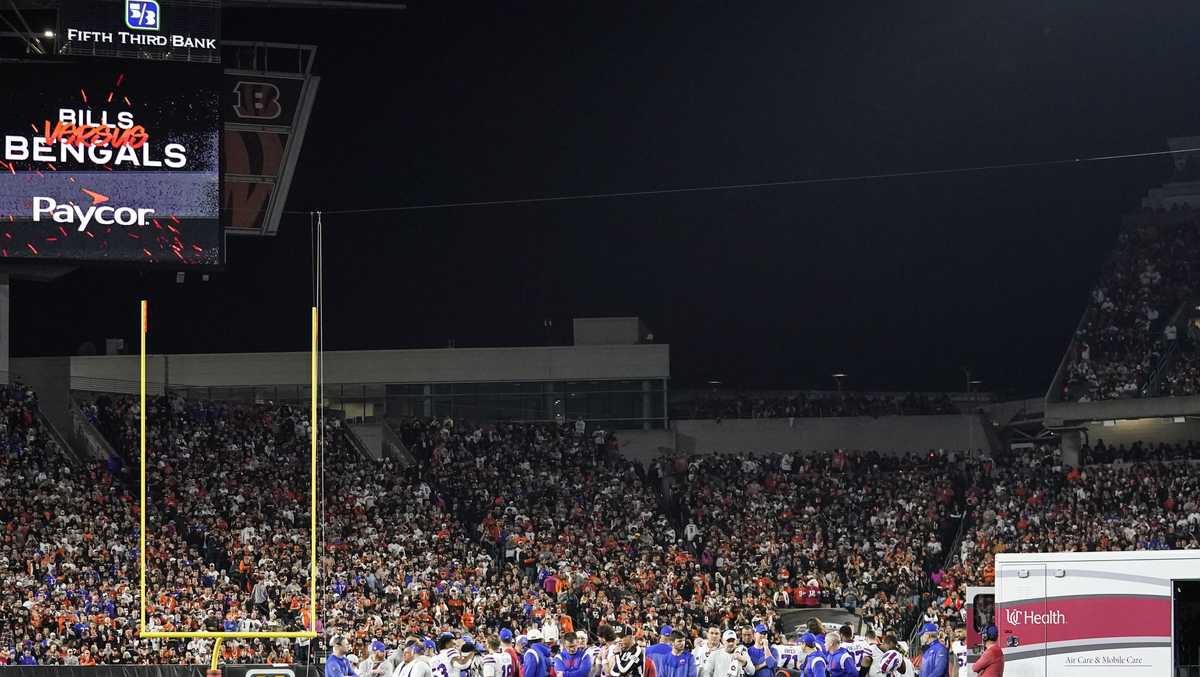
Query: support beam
[[1072, 444], [20, 35], [34, 41]]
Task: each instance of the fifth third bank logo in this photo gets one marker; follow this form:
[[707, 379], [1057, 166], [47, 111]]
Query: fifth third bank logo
[[142, 15], [1023, 617]]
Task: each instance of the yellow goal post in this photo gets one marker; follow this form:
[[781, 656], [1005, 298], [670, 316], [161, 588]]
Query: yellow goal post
[[313, 433]]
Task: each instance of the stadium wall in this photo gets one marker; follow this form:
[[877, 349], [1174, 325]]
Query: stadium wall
[[1147, 431], [888, 434], [48, 376], [370, 435], [645, 445], [119, 373], [1066, 413]]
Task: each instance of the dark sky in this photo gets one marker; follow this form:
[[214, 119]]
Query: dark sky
[[899, 282]]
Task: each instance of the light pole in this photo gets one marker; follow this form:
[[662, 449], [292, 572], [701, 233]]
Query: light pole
[[838, 379]]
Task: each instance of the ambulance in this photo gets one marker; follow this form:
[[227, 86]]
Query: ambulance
[[1099, 614]]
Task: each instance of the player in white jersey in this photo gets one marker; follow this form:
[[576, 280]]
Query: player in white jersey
[[467, 662], [706, 646], [592, 652], [959, 649], [856, 646], [442, 663], [489, 663], [874, 655], [791, 657], [887, 643], [496, 660]]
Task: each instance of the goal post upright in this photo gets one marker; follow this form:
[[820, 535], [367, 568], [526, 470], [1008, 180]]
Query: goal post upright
[[143, 321], [308, 633], [312, 508]]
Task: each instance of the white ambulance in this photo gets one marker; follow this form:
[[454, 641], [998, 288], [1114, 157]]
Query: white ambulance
[[1096, 614]]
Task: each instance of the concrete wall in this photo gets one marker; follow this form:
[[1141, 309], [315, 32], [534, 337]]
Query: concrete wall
[[887, 434], [597, 331], [1003, 412], [48, 376], [1145, 430], [1058, 413], [645, 445], [117, 373], [469, 365], [371, 436]]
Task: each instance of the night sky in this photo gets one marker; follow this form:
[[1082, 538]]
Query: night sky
[[899, 282]]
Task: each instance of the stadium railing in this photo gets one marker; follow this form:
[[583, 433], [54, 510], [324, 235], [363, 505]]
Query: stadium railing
[[68, 449], [86, 438], [1055, 392], [952, 554], [393, 442], [1154, 383]]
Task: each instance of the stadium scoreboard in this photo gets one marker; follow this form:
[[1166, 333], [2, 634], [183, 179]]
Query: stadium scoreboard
[[146, 139], [109, 160]]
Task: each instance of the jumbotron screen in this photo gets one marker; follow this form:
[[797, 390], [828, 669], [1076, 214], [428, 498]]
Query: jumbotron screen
[[111, 162]]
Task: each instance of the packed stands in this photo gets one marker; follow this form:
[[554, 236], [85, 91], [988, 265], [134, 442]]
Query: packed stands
[[502, 526], [853, 530], [1183, 377], [587, 530], [513, 525], [1124, 336], [66, 553], [228, 529]]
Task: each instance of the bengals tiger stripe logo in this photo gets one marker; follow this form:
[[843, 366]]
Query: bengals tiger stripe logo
[[256, 100]]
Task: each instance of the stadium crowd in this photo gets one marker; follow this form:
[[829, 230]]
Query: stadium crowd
[[1124, 335], [515, 526], [580, 538], [1184, 375], [822, 531], [227, 536]]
